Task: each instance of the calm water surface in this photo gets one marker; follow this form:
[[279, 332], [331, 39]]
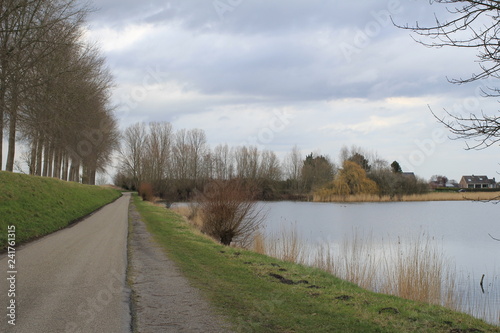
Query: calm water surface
[[460, 228]]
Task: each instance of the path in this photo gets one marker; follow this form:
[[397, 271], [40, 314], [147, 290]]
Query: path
[[73, 280], [164, 301]]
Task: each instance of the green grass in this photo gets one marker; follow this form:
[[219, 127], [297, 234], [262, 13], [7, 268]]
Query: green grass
[[38, 206], [239, 283]]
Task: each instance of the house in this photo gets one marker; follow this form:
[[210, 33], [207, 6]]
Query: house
[[477, 182], [409, 175]]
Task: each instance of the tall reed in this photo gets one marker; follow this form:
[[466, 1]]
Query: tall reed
[[414, 269], [285, 245], [432, 196], [419, 270]]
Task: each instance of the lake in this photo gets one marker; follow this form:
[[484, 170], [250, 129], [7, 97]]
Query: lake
[[459, 228]]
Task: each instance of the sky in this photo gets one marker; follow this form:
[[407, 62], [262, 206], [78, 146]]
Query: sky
[[317, 74]]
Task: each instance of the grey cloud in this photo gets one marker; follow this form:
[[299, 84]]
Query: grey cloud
[[245, 16], [271, 50]]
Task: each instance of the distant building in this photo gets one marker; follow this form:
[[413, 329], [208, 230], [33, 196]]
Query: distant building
[[477, 182]]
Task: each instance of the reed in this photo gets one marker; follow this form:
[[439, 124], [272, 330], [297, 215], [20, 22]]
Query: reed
[[420, 271], [415, 269], [432, 196], [285, 245], [191, 214], [259, 243]]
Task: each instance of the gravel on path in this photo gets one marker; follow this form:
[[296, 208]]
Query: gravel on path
[[162, 298]]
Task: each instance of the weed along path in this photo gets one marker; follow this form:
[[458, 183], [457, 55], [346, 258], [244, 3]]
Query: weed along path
[[72, 280], [163, 300]]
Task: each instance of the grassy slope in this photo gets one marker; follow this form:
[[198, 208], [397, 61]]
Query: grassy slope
[[238, 282], [38, 206]]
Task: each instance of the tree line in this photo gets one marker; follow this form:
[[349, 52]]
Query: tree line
[[54, 91], [179, 164]]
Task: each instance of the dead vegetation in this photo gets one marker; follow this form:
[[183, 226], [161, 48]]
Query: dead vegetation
[[432, 196]]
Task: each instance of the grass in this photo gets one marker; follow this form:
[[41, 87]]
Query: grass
[[432, 196], [262, 294], [38, 206]]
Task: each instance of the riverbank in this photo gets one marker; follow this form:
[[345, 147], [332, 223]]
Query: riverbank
[[262, 294], [431, 196]]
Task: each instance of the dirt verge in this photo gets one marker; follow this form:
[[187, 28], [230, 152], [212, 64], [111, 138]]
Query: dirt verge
[[162, 298]]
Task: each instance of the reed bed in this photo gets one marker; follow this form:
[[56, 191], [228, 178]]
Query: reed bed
[[285, 245], [415, 269], [191, 214], [432, 196]]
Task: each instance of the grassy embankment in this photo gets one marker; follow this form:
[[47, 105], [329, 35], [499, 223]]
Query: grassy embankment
[[432, 196], [38, 206], [262, 294]]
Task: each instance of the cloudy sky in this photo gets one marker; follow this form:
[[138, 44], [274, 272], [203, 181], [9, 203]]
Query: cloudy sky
[[317, 74]]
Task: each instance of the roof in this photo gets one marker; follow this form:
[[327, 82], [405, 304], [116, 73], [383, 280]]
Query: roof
[[408, 174], [477, 179]]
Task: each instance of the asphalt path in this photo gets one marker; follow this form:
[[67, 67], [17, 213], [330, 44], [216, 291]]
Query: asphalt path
[[73, 280]]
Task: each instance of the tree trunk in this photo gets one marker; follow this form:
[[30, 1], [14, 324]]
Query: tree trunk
[[75, 171], [65, 167], [39, 152], [33, 156], [51, 161], [2, 105], [45, 161], [226, 237], [12, 132], [85, 174], [57, 163], [92, 176], [3, 91]]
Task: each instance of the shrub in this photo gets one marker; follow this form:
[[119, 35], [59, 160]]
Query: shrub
[[146, 192], [230, 213]]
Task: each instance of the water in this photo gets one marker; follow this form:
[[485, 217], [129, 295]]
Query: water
[[460, 228]]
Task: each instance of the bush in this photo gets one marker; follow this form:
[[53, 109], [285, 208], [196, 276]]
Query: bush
[[229, 211], [146, 192]]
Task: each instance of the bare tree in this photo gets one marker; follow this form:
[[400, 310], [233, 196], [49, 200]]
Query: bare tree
[[197, 150], [222, 162], [180, 151], [473, 25], [246, 162], [27, 31], [270, 168], [293, 166], [157, 151], [230, 213], [131, 153]]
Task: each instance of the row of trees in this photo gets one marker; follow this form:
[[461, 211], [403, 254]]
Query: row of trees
[[180, 163], [54, 91], [373, 175]]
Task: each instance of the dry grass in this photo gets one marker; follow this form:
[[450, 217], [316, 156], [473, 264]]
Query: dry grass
[[416, 269], [259, 243], [191, 214], [285, 245], [184, 211], [421, 272], [432, 196]]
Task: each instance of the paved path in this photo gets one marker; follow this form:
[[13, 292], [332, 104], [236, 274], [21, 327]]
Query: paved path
[[163, 299], [73, 280]]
